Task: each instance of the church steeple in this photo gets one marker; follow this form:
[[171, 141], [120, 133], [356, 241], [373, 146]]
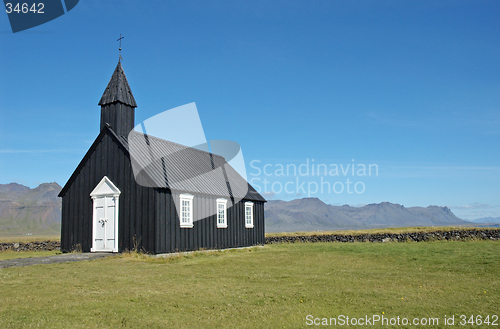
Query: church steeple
[[118, 104]]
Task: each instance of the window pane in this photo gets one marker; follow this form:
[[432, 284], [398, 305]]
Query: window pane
[[221, 213], [186, 210], [248, 215]]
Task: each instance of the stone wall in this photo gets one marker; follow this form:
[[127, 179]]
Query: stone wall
[[30, 246], [392, 237], [457, 235]]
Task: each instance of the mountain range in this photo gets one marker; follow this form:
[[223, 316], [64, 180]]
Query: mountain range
[[24, 210], [312, 214], [494, 220]]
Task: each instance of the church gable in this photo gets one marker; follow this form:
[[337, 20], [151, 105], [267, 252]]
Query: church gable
[[106, 135], [106, 169]]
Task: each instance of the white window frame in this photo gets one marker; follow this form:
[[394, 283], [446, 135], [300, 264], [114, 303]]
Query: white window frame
[[189, 199], [222, 202], [249, 221]]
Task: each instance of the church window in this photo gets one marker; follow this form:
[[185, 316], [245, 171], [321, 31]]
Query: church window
[[221, 213], [186, 213]]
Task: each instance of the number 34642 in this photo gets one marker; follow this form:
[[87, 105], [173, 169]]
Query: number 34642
[[36, 8]]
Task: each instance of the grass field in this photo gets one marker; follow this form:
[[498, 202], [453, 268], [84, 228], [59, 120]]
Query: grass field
[[262, 287], [9, 254], [30, 238]]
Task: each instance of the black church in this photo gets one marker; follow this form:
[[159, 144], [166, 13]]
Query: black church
[[203, 203]]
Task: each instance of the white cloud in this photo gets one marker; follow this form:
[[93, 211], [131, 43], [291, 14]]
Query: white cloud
[[475, 205], [269, 195]]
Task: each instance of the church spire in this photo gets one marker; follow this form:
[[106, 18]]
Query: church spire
[[118, 104], [118, 89]]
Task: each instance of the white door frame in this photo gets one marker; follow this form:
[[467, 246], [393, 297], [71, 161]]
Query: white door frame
[[104, 189]]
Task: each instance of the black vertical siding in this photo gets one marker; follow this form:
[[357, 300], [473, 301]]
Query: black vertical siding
[[108, 159], [119, 116], [205, 234], [65, 237]]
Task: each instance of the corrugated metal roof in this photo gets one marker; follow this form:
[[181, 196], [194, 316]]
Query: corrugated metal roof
[[164, 164], [170, 165], [118, 89]]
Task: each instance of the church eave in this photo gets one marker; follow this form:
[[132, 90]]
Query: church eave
[[101, 103]]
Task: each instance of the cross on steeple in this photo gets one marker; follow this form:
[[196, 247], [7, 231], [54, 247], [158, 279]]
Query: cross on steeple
[[120, 49]]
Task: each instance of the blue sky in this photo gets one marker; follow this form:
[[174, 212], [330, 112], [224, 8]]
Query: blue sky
[[411, 86]]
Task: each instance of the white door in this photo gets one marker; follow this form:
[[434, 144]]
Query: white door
[[105, 216], [105, 222]]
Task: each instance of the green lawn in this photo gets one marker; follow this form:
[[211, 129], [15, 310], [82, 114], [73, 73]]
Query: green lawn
[[9, 254], [262, 287], [29, 238]]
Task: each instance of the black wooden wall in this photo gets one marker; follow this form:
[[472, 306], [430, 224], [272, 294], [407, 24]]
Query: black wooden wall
[[204, 234], [136, 217], [119, 116]]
